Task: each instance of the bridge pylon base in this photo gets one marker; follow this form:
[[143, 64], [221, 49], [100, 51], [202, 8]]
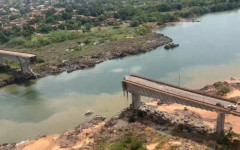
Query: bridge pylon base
[[220, 123], [136, 101], [24, 65]]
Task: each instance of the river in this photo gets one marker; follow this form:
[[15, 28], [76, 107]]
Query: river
[[209, 51]]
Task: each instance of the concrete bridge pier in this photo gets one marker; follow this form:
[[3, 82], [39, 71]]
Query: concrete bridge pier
[[24, 64], [136, 100], [220, 123]]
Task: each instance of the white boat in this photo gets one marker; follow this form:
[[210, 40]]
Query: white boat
[[89, 112]]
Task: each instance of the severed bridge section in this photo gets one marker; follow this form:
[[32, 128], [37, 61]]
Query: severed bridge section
[[140, 86], [24, 59]]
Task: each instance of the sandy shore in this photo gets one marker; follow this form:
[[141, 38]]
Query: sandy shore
[[208, 116]]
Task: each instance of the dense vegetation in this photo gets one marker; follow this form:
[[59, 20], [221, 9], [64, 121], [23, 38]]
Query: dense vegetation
[[105, 35], [66, 31], [83, 15]]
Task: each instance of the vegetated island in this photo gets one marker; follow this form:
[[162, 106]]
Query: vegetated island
[[154, 126], [68, 36]]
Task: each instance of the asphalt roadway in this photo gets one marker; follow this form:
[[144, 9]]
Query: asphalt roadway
[[180, 92]]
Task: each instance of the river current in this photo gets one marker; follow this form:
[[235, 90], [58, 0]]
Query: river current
[[209, 51]]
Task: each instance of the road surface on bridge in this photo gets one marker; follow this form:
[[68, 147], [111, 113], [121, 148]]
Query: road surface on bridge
[[180, 92], [18, 54]]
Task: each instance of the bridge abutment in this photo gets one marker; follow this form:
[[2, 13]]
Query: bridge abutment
[[136, 100], [220, 123]]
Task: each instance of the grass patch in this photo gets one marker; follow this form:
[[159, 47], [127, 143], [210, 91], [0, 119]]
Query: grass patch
[[129, 143], [223, 90], [108, 34], [40, 60], [161, 140], [5, 76]]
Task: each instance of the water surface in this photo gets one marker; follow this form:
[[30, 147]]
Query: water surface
[[209, 51]]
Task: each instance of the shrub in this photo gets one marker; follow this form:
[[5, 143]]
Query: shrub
[[127, 140], [141, 30], [60, 36], [223, 90], [87, 41], [160, 22], [131, 119], [137, 145], [199, 10], [163, 8], [36, 42], [217, 84], [140, 113], [185, 14], [4, 68], [40, 60], [16, 42], [126, 144], [134, 23]]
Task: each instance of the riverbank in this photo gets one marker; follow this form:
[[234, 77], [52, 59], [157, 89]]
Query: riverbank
[[154, 126], [147, 128], [141, 131], [70, 60]]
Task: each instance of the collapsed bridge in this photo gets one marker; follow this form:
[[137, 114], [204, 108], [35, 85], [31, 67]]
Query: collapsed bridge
[[140, 86], [24, 59]]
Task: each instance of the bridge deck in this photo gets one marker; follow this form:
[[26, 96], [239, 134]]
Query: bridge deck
[[180, 92], [24, 55]]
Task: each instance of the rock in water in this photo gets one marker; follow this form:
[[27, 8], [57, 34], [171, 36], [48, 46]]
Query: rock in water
[[171, 45]]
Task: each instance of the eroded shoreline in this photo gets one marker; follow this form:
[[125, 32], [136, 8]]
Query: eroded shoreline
[[123, 48], [160, 118]]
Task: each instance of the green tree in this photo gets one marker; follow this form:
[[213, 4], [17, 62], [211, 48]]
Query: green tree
[[134, 23], [163, 8], [43, 28], [66, 16], [51, 20], [88, 27], [27, 30], [3, 38]]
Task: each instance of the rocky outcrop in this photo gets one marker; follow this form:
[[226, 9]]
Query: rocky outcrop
[[180, 123], [170, 45], [18, 79], [69, 138], [8, 146]]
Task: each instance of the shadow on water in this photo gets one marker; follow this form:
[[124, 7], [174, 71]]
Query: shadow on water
[[29, 101], [26, 83]]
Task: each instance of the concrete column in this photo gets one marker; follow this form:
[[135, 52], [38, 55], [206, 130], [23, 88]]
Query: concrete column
[[24, 65], [136, 100], [220, 123]]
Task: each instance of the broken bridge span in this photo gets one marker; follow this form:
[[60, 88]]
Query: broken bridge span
[[141, 86], [24, 59]]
